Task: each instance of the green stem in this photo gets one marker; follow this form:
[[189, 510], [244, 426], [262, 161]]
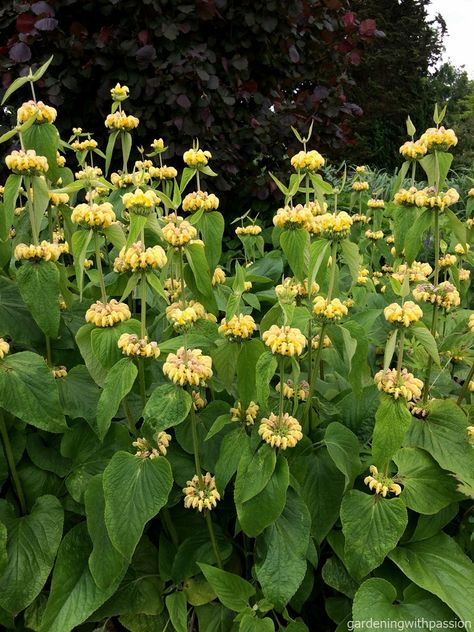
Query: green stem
[[306, 185], [31, 211], [413, 173], [465, 386], [332, 277], [212, 535], [142, 380], [198, 180], [143, 284], [401, 343], [98, 262], [197, 461], [168, 521], [282, 380], [436, 245], [131, 423], [11, 463]]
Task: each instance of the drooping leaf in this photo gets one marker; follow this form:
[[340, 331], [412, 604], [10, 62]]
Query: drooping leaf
[[254, 472], [343, 448], [392, 421], [294, 244], [232, 591], [265, 370], [168, 406], [39, 288], [118, 384]]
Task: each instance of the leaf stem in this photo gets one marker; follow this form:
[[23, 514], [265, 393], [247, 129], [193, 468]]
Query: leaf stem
[[282, 380], [11, 463], [31, 211], [212, 535], [98, 262]]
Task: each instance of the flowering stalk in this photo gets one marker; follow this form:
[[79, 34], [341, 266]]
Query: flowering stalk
[[31, 212], [401, 343], [465, 386], [11, 463], [434, 320], [282, 381], [99, 268]]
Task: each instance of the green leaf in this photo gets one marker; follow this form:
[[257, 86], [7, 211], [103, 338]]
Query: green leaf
[[264, 371], [211, 226], [248, 357], [115, 235], [390, 347], [3, 549], [33, 541], [200, 268], [321, 487], [423, 335], [456, 226], [110, 149], [40, 198], [29, 391], [233, 445], [260, 511], [232, 591], [44, 139], [415, 234], [84, 343], [343, 448], [351, 257], [137, 224], [279, 184], [118, 384], [176, 606], [39, 288], [186, 177], [135, 488], [126, 139], [168, 406], [281, 552], [154, 282], [294, 244], [439, 566], [10, 196], [42, 69], [335, 574], [105, 562], [254, 472], [74, 595], [250, 623], [377, 600], [436, 167], [14, 86], [225, 359], [419, 472], [392, 421], [104, 341], [80, 244], [372, 526]]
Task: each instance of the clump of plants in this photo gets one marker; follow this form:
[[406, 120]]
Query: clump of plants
[[202, 438]]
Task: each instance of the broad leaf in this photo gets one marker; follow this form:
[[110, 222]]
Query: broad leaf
[[343, 447], [168, 406], [118, 384], [294, 244], [392, 420], [39, 288], [254, 472], [232, 591]]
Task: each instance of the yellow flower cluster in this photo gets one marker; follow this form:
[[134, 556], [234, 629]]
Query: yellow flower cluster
[[119, 93], [285, 341], [413, 150], [158, 145], [137, 258], [405, 196], [88, 173], [121, 121], [197, 200], [218, 276], [404, 385], [390, 239], [107, 314], [281, 431], [188, 366], [94, 215], [309, 161], [201, 493], [252, 229], [446, 261], [56, 199], [470, 222], [196, 158], [178, 234], [360, 217], [417, 271], [173, 288], [198, 400], [48, 251], [464, 274], [362, 276], [381, 484], [26, 162], [459, 249], [302, 390], [374, 235], [4, 348], [287, 291], [361, 169], [445, 295], [84, 145], [326, 342], [439, 138], [163, 173], [59, 372], [329, 310], [45, 113], [250, 414], [140, 202], [334, 226], [133, 346], [290, 217], [360, 186], [184, 316], [428, 198], [123, 180], [470, 323], [405, 314], [147, 451], [375, 203], [239, 327]]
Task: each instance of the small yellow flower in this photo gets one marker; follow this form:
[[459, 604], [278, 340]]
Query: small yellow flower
[[56, 199], [200, 493], [26, 162], [361, 218], [334, 226], [146, 451], [375, 203], [446, 261], [459, 249], [238, 328], [84, 145], [45, 250], [251, 229], [404, 385], [188, 366], [417, 271], [182, 317], [362, 276], [200, 200], [121, 121], [302, 390], [133, 346], [88, 173], [59, 372], [94, 215], [140, 202], [428, 198], [178, 233], [173, 288], [308, 161], [281, 431], [360, 186], [405, 197], [107, 314], [158, 145], [198, 400], [464, 274], [381, 484], [329, 311], [413, 150], [196, 158], [4, 348], [124, 180], [119, 93], [249, 416], [470, 434], [285, 341], [290, 217], [445, 294], [361, 169], [162, 173], [137, 258], [470, 323], [326, 342], [218, 276], [45, 113], [405, 314], [374, 235], [439, 138]]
